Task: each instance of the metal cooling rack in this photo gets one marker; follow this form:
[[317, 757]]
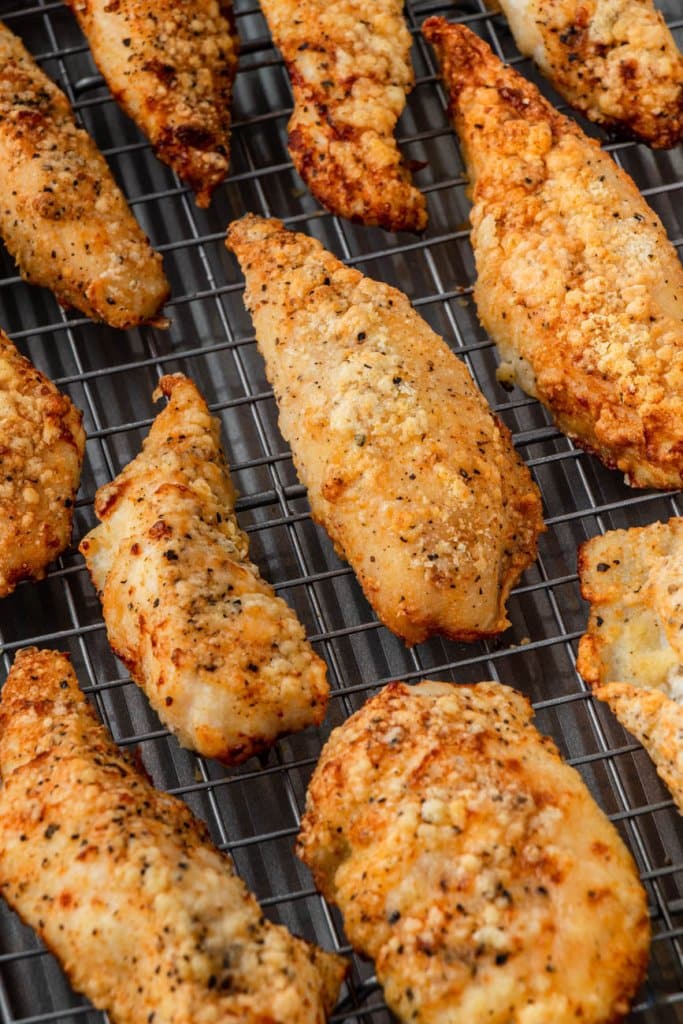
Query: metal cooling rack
[[254, 811]]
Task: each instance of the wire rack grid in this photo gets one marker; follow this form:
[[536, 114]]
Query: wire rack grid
[[254, 811]]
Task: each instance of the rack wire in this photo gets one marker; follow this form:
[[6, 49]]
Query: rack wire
[[254, 811]]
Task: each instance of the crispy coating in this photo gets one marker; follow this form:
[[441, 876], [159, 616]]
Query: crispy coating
[[62, 216], [632, 651], [224, 662], [42, 443], [615, 60], [123, 884], [413, 478], [577, 283], [349, 65], [472, 864], [657, 723], [171, 65]]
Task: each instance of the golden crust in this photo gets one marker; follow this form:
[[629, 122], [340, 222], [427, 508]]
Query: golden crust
[[632, 651], [171, 65], [577, 282], [472, 864], [41, 452], [62, 216], [615, 60], [123, 884], [349, 64], [413, 478], [224, 662], [657, 723]]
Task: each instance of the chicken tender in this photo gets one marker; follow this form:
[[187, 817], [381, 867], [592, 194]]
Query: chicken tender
[[656, 721], [42, 443], [123, 884], [472, 864], [63, 218], [633, 580], [577, 282], [632, 652], [615, 60], [349, 65], [223, 661], [171, 65], [416, 482]]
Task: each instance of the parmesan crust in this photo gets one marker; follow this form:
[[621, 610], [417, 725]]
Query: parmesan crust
[[632, 651], [577, 282], [416, 482], [472, 864], [171, 65], [349, 65], [62, 216], [42, 443], [224, 662], [614, 60], [123, 884]]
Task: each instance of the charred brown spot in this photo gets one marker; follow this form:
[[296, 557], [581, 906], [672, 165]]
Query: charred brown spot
[[159, 530], [628, 69], [515, 98], [166, 73], [30, 118], [193, 137], [333, 488]]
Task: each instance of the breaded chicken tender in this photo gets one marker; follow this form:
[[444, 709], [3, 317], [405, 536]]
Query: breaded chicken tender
[[633, 580], [171, 65], [223, 661], [577, 282], [656, 721], [349, 65], [416, 482], [42, 443], [472, 864], [63, 218], [632, 652], [123, 884], [615, 60]]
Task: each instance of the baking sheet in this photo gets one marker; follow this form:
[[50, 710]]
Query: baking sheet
[[254, 811]]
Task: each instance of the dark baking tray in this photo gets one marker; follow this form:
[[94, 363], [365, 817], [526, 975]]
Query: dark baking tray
[[254, 811]]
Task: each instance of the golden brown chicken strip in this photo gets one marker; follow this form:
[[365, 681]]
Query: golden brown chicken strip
[[63, 218], [123, 884], [632, 652], [472, 864], [577, 283], [171, 65], [42, 443], [657, 723], [634, 582], [416, 482], [349, 65], [615, 60], [224, 662]]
